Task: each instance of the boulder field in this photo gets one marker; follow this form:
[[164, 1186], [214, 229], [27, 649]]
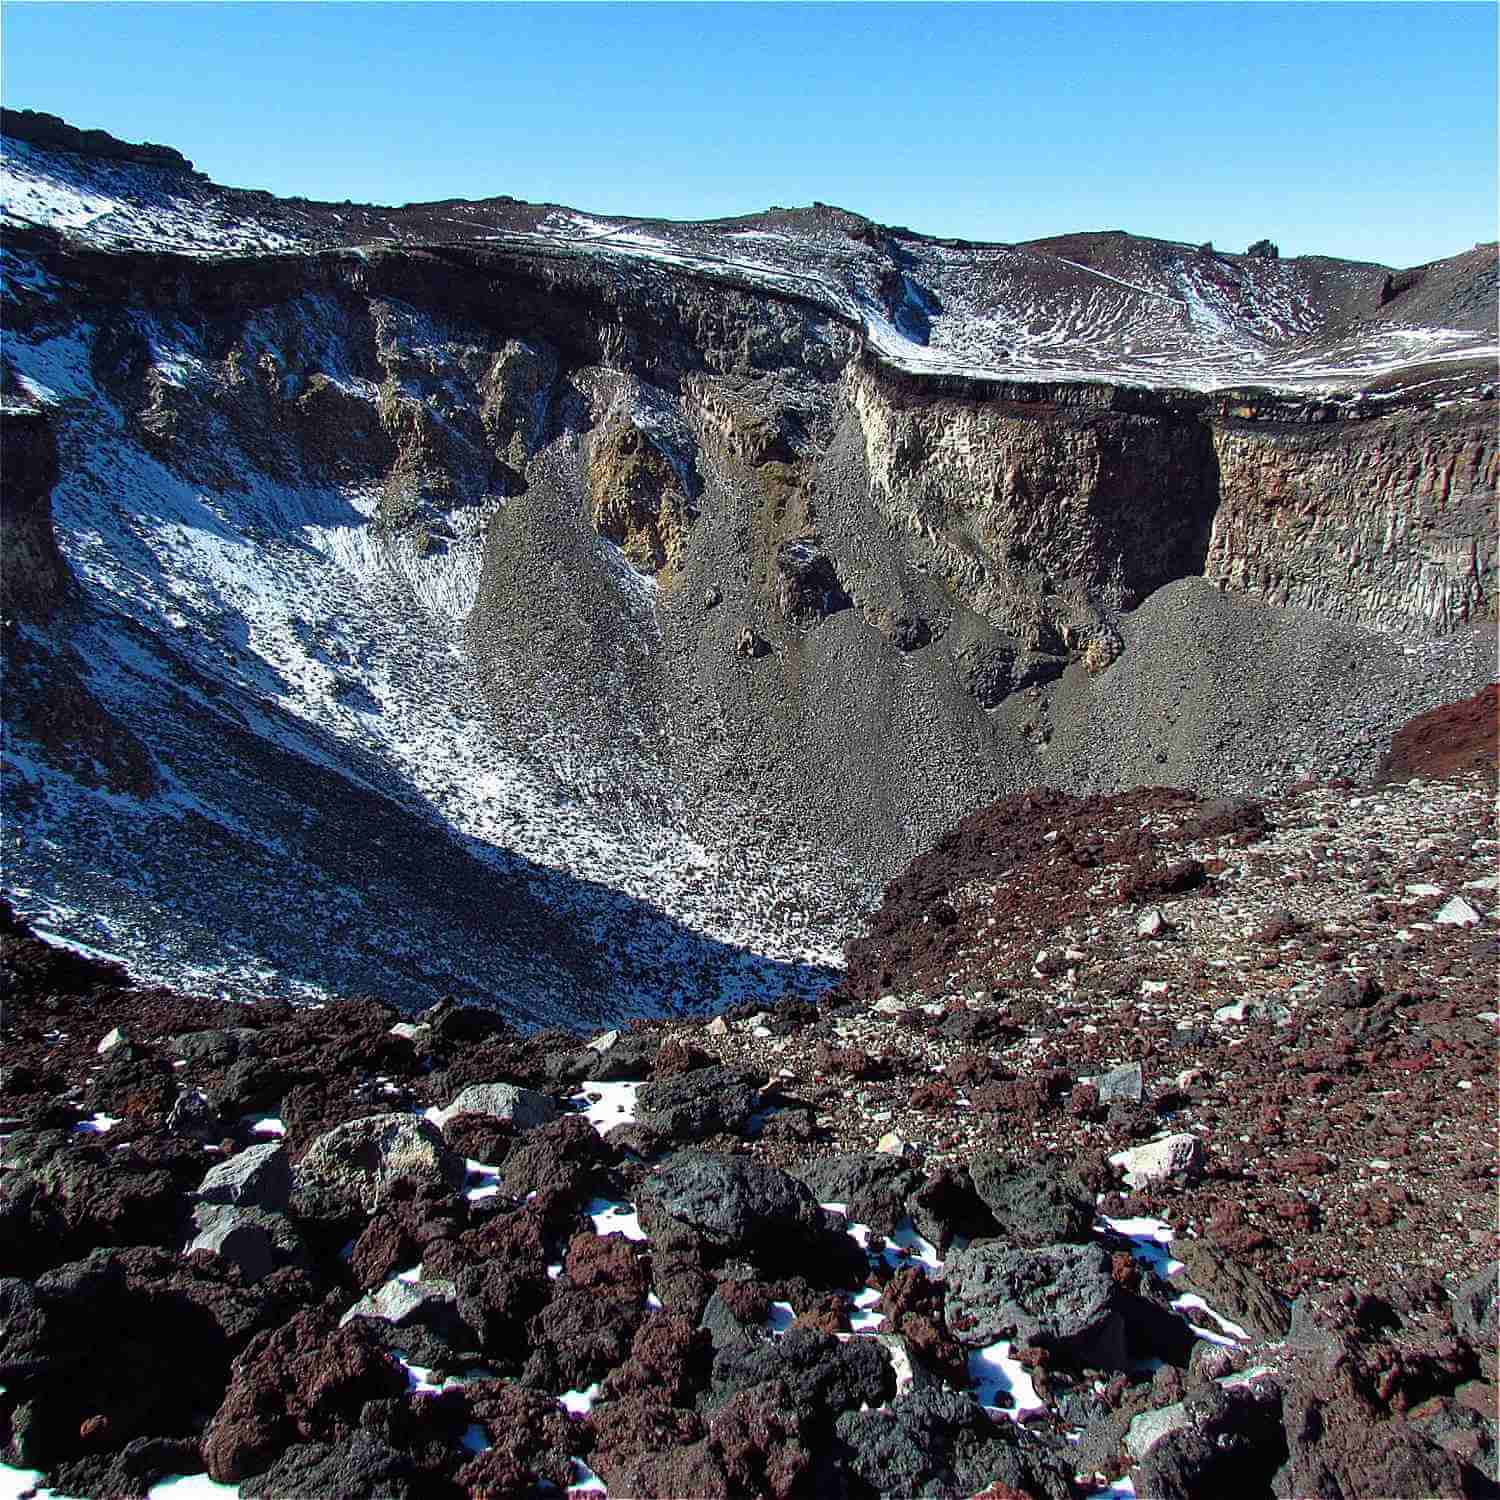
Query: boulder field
[[1146, 1147]]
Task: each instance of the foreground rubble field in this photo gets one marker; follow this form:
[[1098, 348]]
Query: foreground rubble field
[[1146, 1148]]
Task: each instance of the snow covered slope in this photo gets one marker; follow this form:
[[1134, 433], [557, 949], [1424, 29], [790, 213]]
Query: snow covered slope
[[302, 687], [1098, 307]]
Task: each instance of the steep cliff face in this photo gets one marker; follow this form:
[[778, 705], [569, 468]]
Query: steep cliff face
[[34, 578], [1388, 522], [1041, 517], [45, 678]]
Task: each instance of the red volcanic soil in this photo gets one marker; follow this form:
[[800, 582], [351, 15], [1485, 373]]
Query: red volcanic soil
[[1451, 740]]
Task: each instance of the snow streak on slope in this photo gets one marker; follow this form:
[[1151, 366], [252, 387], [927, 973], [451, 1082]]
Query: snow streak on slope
[[279, 614], [1164, 316]]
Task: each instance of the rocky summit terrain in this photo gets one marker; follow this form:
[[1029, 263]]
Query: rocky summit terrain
[[1146, 1148], [767, 858]]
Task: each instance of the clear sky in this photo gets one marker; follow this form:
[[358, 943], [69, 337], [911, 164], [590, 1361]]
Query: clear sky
[[1366, 131]]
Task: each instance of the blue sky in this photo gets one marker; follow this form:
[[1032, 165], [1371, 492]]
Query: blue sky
[[1367, 131]]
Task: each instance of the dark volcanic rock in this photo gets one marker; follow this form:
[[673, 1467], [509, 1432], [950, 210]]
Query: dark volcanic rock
[[942, 1443], [171, 1329], [1229, 1443], [1336, 1449], [1033, 1205], [566, 1157], [359, 1468], [669, 1357], [760, 1441], [1476, 1308], [874, 1187], [700, 1103], [1061, 1297], [822, 1376], [732, 1202], [132, 1471], [306, 1381], [946, 1206], [1233, 1290], [533, 1438], [645, 1448], [577, 1339], [31, 1224]]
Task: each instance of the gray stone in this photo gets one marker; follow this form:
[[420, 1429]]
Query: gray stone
[[257, 1177], [1033, 1205], [1150, 1427], [430, 1305], [1151, 923], [1156, 1161], [1060, 1297], [287, 1246], [730, 1201], [116, 1037], [1250, 1010], [1458, 913], [348, 1170], [1120, 1085], [411, 1031], [1476, 1308], [524, 1108], [240, 1239], [604, 1042]]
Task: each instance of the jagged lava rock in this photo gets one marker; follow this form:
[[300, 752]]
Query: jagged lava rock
[[257, 1177], [1060, 1297], [524, 1108], [349, 1169]]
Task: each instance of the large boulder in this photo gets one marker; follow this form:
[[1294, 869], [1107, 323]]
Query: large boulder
[[215, 1225], [1058, 1297], [728, 1200], [935, 1442], [697, 1104], [304, 1382], [360, 1467], [873, 1187], [1033, 1204], [1476, 1308], [348, 1171], [1233, 1290], [821, 1375], [524, 1108], [257, 1177], [430, 1305]]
